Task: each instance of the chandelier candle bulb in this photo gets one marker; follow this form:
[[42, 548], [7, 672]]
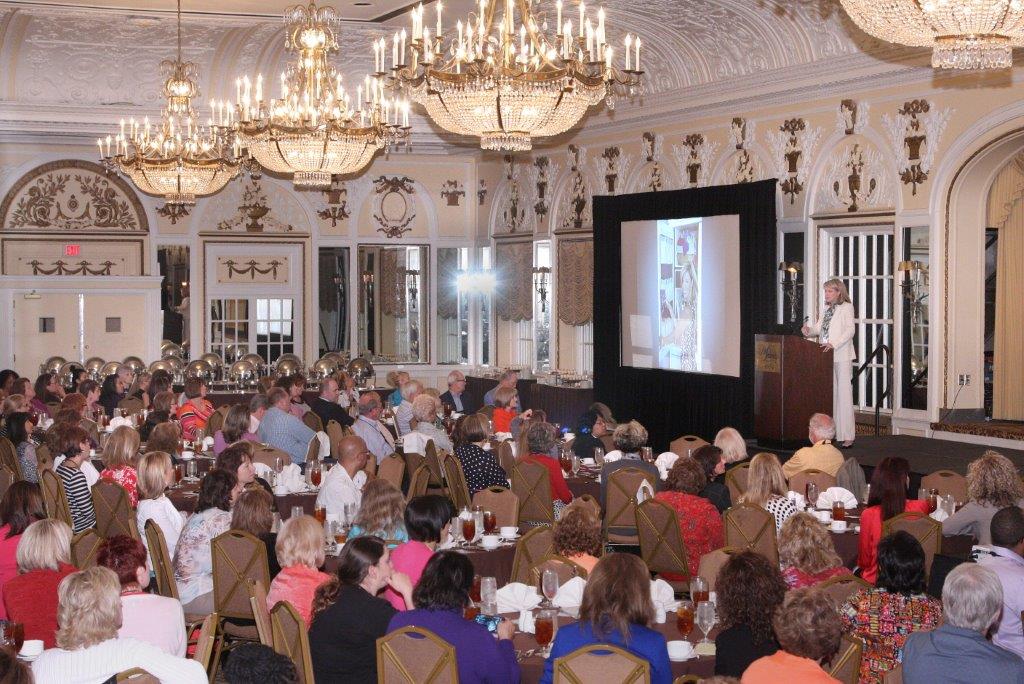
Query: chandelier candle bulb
[[637, 59], [583, 13], [558, 9], [438, 31]]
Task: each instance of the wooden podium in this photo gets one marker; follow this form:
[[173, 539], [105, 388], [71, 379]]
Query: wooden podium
[[792, 381]]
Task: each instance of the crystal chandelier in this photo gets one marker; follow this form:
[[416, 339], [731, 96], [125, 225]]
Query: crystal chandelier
[[508, 85], [314, 129], [177, 158], [963, 34]]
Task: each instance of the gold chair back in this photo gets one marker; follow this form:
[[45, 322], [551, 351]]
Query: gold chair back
[[268, 455], [842, 587], [845, 665], [412, 655], [736, 480], [925, 529], [258, 600], [620, 500], [418, 483], [456, 480], [590, 503], [531, 483], [160, 559], [751, 527], [601, 663], [136, 675], [711, 563], [563, 567], [536, 544], [798, 483], [506, 459], [334, 435], [313, 451], [44, 459], [894, 676], [54, 497], [312, 421], [6, 480], [661, 542], [9, 458], [237, 556], [947, 482], [204, 642], [292, 639], [392, 469], [433, 462], [216, 420], [686, 445], [114, 514], [84, 546], [132, 405], [500, 501]]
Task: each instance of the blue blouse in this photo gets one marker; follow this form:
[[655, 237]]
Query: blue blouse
[[400, 535], [644, 643]]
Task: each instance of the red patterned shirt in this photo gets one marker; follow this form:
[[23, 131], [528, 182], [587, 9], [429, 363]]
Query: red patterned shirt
[[699, 524], [193, 415], [798, 579], [127, 478], [884, 620]]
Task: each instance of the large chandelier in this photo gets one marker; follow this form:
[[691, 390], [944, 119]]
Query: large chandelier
[[314, 129], [963, 34], [177, 158], [509, 85]]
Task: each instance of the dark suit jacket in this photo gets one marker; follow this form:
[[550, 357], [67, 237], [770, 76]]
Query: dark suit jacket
[[469, 403], [330, 411]]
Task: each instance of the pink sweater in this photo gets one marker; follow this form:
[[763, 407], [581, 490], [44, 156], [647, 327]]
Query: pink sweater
[[296, 584], [410, 558]]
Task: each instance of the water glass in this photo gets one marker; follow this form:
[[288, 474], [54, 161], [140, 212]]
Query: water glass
[[191, 469], [699, 590], [646, 454], [298, 512], [575, 465], [812, 494], [705, 619], [599, 455], [549, 585], [278, 465], [489, 595]]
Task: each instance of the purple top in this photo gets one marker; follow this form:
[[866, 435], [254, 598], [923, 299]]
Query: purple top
[[480, 657], [39, 406], [220, 444]]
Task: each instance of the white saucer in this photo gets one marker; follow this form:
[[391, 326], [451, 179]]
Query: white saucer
[[514, 536], [683, 660]]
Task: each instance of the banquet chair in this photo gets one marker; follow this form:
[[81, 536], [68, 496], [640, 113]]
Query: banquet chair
[[216, 420], [923, 528], [749, 526], [334, 435], [9, 458], [500, 501], [711, 563], [590, 503], [6, 480], [204, 642], [413, 461], [92, 428], [661, 543], [392, 469], [84, 546], [488, 411], [531, 547], [506, 459], [131, 405], [54, 406], [312, 421], [136, 675], [947, 482], [798, 483], [418, 483], [54, 497], [413, 655], [237, 557], [291, 638], [842, 587], [736, 480], [563, 567], [160, 560], [267, 455], [531, 483], [601, 663], [686, 445], [313, 450], [433, 462], [44, 460], [845, 665], [894, 676], [114, 514], [258, 600], [620, 502], [458, 490]]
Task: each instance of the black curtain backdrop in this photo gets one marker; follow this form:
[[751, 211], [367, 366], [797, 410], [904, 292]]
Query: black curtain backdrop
[[673, 403]]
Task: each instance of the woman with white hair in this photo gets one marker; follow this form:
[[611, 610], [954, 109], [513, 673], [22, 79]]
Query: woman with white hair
[[732, 444], [424, 410], [88, 648], [403, 413], [834, 330]]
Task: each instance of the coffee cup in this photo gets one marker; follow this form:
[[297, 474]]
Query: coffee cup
[[680, 650], [185, 455], [823, 516], [490, 541], [508, 531], [838, 526], [31, 648]]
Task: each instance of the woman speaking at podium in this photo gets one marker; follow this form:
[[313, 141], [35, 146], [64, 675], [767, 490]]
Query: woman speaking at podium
[[834, 330]]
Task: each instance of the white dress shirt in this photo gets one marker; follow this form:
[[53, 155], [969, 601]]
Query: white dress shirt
[[340, 489]]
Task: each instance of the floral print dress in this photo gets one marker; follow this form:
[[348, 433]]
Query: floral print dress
[[699, 524], [127, 478]]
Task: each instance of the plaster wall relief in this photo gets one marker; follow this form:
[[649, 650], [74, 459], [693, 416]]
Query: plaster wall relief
[[511, 201], [792, 148], [611, 166], [481, 193], [540, 172], [45, 256], [173, 212], [335, 206], [452, 192], [694, 158], [259, 207], [856, 178], [914, 133], [852, 116], [575, 206], [742, 165], [650, 174], [242, 268], [394, 205]]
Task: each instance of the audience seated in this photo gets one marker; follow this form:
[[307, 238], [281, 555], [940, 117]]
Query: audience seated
[[712, 461], [90, 389], [700, 525], [440, 598], [237, 459], [13, 403], [457, 397], [21, 506], [617, 610], [992, 483], [48, 390], [733, 446], [13, 670], [578, 537], [884, 616], [88, 645], [253, 512], [234, 429], [628, 439], [156, 474], [821, 455], [424, 412], [193, 414], [159, 412], [166, 437], [541, 439], [282, 430], [44, 559], [809, 633], [119, 454], [347, 394], [889, 483], [427, 521], [381, 513], [140, 388], [508, 380], [193, 558], [403, 411], [1007, 562], [19, 432], [506, 417], [806, 552], [958, 650], [375, 435], [349, 617], [749, 589], [154, 619], [343, 484], [7, 378], [76, 486], [480, 466], [258, 663], [766, 487], [294, 385], [300, 551], [396, 379], [258, 407], [589, 429], [326, 405], [114, 389]]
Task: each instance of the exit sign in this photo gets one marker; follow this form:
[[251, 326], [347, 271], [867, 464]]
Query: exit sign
[[72, 250]]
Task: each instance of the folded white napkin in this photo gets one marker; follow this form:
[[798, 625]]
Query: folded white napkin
[[940, 514], [516, 597], [290, 480], [325, 444], [799, 500], [262, 470], [644, 492], [662, 594], [612, 456], [207, 443], [569, 436], [665, 461], [527, 623], [118, 421], [570, 594], [833, 494]]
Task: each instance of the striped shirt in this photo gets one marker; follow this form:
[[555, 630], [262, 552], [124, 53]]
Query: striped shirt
[[83, 515]]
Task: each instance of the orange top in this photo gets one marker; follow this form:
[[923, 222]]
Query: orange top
[[502, 419], [786, 667]]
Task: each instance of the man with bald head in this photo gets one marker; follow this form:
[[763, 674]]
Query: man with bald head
[[344, 483], [378, 438]]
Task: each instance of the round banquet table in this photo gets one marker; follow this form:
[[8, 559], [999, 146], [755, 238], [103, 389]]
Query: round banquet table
[[496, 563], [583, 484], [184, 498]]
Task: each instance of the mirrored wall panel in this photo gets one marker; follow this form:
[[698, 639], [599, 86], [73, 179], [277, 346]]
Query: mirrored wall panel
[[453, 304], [912, 277], [333, 283], [394, 283], [174, 299]]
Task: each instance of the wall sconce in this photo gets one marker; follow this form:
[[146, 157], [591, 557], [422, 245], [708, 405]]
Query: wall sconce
[[540, 278], [412, 278], [792, 288], [913, 282]]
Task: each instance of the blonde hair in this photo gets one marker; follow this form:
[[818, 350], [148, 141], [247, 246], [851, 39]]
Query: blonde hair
[[805, 544], [121, 448], [424, 408], [300, 542], [88, 609], [15, 403], [503, 396], [844, 294], [730, 441], [44, 545], [382, 511], [765, 479], [155, 474], [992, 478], [629, 437]]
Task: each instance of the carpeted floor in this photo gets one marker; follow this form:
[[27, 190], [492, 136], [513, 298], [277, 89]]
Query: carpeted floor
[[1001, 429]]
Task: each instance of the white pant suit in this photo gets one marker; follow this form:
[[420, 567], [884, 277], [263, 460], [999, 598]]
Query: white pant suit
[[840, 336]]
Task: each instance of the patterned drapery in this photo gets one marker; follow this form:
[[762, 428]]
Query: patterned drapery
[[514, 294], [575, 281], [447, 293], [1006, 213], [392, 284]]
